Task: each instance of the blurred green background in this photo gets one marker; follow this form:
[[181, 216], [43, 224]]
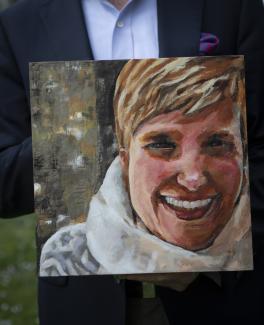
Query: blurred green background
[[5, 3], [18, 294]]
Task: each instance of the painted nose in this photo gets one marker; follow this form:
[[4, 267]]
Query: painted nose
[[192, 182], [192, 176]]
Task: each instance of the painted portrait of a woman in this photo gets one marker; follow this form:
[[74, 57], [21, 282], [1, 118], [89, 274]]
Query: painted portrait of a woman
[[175, 199]]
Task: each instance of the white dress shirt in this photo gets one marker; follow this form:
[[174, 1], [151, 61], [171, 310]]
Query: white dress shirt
[[129, 33]]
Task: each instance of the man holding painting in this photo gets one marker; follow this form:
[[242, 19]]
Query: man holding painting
[[42, 30]]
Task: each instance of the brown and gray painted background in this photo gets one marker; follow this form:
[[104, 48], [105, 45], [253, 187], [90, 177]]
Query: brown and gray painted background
[[73, 138]]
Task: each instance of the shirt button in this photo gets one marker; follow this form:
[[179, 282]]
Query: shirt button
[[120, 24]]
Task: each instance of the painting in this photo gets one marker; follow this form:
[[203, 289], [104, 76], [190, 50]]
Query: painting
[[140, 166]]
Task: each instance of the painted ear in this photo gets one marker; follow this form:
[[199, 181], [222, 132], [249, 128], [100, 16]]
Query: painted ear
[[124, 159], [123, 154]]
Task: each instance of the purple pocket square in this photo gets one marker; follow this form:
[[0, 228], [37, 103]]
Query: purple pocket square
[[208, 43]]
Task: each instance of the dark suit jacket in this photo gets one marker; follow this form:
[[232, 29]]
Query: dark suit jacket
[[50, 30]]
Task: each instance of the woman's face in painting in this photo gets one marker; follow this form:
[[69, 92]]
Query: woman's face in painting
[[185, 172]]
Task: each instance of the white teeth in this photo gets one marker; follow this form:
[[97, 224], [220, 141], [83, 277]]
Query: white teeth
[[187, 204]]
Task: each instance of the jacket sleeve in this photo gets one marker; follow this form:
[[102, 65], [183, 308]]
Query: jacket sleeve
[[16, 175], [251, 44]]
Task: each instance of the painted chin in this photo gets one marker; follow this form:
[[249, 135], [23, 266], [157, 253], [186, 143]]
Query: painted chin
[[203, 209]]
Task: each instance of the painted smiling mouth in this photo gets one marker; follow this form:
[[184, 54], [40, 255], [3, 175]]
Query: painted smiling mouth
[[187, 204], [190, 210]]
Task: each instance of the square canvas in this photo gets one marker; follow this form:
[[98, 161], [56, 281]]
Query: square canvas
[[140, 166]]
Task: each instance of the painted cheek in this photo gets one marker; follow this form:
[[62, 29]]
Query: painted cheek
[[225, 174], [152, 171], [143, 183]]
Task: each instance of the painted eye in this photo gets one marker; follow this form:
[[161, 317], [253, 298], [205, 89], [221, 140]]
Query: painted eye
[[161, 145], [216, 142], [217, 145]]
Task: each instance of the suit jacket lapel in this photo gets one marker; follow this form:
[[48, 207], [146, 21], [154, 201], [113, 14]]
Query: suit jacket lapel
[[68, 35], [179, 27]]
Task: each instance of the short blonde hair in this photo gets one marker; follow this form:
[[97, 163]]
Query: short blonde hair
[[149, 87]]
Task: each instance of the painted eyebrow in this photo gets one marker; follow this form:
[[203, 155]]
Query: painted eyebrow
[[161, 136]]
